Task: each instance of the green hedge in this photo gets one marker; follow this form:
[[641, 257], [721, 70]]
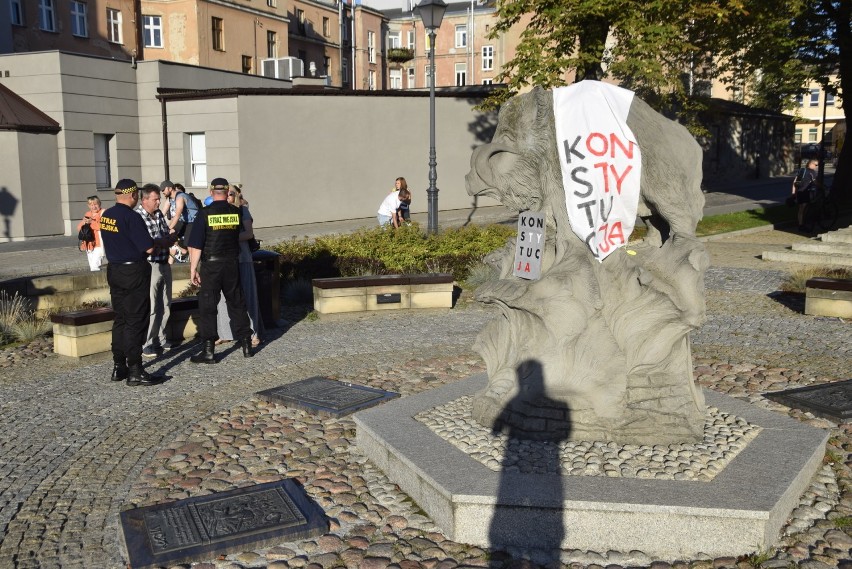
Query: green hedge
[[379, 251]]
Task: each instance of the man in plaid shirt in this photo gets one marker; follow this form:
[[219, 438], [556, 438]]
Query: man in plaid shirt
[[161, 270]]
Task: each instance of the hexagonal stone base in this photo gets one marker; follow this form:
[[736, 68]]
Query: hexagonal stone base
[[741, 510]]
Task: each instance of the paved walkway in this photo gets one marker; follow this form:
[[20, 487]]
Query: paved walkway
[[76, 449], [53, 255]]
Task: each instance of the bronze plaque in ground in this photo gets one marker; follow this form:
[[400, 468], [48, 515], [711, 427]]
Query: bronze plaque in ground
[[327, 396], [204, 527], [831, 401]]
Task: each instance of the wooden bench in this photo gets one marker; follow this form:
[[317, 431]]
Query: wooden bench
[[828, 297], [86, 332], [383, 292], [82, 332]]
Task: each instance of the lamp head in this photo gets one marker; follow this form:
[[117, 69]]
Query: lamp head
[[431, 12]]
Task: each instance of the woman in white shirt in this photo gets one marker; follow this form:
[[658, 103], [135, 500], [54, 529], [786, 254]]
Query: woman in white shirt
[[389, 210]]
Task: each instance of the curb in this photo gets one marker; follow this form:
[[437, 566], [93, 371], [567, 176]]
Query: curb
[[749, 231]]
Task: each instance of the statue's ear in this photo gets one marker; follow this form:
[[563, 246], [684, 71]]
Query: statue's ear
[[698, 260]]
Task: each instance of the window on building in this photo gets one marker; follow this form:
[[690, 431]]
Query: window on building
[[395, 79], [47, 15], [347, 23], [487, 57], [248, 64], [103, 162], [411, 78], [302, 54], [17, 12], [488, 81], [800, 100], [326, 64], [300, 20], [371, 85], [394, 40], [428, 74], [272, 3], [218, 34], [198, 159], [461, 35], [271, 45], [113, 25], [814, 98], [345, 69], [371, 47], [427, 44], [797, 138], [326, 26], [411, 41], [79, 19], [152, 30], [829, 99], [812, 134], [461, 74]]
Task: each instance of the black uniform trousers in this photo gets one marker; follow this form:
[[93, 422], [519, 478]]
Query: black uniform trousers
[[130, 292], [222, 277]]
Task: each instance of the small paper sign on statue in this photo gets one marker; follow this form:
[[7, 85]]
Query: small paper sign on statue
[[530, 245], [601, 163]]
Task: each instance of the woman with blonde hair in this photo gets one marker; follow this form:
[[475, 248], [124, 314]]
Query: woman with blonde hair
[[247, 278], [94, 249]]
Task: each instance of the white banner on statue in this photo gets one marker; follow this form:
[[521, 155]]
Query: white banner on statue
[[601, 163]]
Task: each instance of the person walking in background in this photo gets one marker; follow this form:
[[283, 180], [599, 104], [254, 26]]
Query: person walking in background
[[161, 270], [213, 265], [94, 249], [247, 277], [127, 244], [803, 190]]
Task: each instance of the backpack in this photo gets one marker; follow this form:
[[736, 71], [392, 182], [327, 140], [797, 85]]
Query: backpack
[[800, 175], [193, 205], [86, 235]]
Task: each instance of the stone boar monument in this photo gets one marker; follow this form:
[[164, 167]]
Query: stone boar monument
[[607, 323]]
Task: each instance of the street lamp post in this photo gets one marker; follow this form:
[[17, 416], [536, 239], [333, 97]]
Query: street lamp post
[[432, 12]]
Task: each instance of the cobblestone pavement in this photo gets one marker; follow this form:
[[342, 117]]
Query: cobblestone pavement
[[76, 449]]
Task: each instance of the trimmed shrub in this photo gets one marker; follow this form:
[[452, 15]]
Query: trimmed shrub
[[383, 251]]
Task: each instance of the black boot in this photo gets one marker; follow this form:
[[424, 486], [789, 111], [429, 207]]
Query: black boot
[[138, 376], [119, 372], [205, 356], [248, 351]]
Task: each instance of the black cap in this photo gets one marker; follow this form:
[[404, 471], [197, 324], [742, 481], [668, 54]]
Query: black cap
[[219, 184], [125, 186], [166, 184]]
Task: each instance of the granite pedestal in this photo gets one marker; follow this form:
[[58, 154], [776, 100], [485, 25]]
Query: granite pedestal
[[741, 510]]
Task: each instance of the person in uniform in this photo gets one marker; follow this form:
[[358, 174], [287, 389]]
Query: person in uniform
[[128, 244], [214, 266]]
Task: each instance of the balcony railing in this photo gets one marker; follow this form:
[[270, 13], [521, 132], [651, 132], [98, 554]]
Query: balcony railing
[[399, 54]]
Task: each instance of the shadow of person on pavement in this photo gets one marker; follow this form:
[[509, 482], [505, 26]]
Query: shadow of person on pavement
[[529, 510]]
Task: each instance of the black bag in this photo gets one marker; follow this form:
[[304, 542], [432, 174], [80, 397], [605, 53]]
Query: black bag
[[86, 235], [254, 244]]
